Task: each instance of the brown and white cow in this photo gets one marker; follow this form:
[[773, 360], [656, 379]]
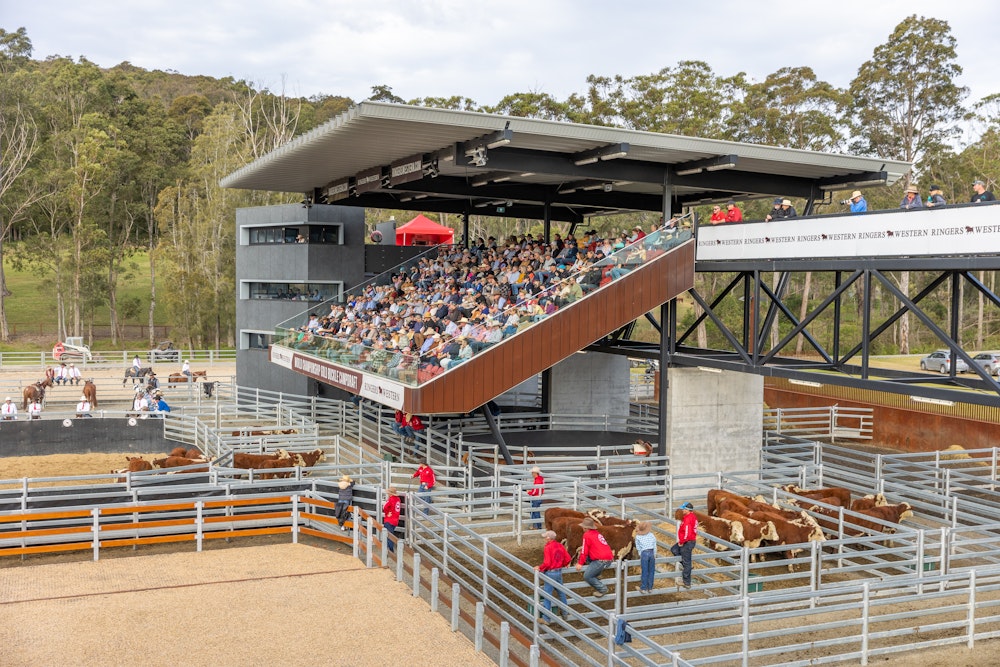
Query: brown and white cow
[[715, 496], [247, 461], [792, 533], [868, 502], [714, 527], [619, 538], [892, 514], [844, 495], [274, 464], [308, 459], [553, 513], [754, 531]]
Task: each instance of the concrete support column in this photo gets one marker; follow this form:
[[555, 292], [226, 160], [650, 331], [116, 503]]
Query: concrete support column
[[713, 420], [590, 383]]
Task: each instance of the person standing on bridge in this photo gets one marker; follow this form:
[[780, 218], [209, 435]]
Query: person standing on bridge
[[687, 533], [982, 194], [8, 411], [911, 199], [858, 202], [733, 212], [596, 554], [390, 515], [536, 491]]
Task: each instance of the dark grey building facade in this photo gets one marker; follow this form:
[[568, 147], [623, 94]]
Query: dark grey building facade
[[289, 260]]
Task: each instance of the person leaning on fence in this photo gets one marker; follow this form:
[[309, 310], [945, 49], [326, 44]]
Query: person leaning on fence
[[536, 491], [981, 193], [645, 544], [858, 202], [687, 533], [8, 411], [554, 559], [345, 496], [935, 197], [390, 515], [911, 199], [596, 554]]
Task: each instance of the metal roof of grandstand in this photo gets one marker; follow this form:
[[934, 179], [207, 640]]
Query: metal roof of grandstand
[[415, 158]]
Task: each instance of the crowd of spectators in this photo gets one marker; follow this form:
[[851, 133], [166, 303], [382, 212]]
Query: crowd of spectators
[[452, 303]]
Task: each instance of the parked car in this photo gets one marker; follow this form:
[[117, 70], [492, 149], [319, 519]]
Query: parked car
[[990, 362], [165, 351], [940, 361]]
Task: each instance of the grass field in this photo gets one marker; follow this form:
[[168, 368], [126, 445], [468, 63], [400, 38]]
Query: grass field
[[31, 307]]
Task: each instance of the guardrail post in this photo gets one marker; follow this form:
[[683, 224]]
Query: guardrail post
[[456, 601], [504, 643], [536, 608], [199, 523], [416, 574], [480, 614], [534, 655], [355, 532], [745, 614], [612, 631], [435, 576], [96, 529], [865, 611], [399, 563], [970, 621], [486, 563], [518, 513], [295, 517], [370, 542], [444, 543]]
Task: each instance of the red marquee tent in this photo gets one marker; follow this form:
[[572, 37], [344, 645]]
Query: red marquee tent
[[423, 231]]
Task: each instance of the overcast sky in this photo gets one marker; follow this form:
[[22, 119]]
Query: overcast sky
[[485, 50]]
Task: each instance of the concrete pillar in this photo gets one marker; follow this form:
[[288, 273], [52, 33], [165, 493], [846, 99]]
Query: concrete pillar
[[713, 420], [590, 383]]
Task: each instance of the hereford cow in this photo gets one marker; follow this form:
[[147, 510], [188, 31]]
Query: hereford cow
[[308, 459], [753, 530], [138, 464], [180, 461], [553, 513], [792, 533], [868, 502], [619, 538], [246, 433], [714, 527], [193, 453], [178, 451], [716, 495], [892, 514], [835, 491], [247, 461], [274, 464]]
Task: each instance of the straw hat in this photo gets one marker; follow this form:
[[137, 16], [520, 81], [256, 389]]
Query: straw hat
[[643, 528], [342, 484], [346, 478], [82, 398], [588, 524], [391, 490], [855, 194], [914, 189], [536, 470]]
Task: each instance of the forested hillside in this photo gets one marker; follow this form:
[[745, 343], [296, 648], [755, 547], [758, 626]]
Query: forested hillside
[[98, 165]]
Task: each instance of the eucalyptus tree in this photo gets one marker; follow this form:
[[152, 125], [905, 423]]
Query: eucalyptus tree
[[905, 103]]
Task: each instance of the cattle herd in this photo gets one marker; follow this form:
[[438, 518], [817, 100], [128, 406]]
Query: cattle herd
[[750, 522], [272, 461]]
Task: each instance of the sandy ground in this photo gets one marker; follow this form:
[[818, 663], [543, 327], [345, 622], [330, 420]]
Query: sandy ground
[[283, 604]]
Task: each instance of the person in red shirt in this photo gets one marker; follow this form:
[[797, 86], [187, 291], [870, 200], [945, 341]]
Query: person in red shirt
[[554, 559], [687, 533], [596, 554], [427, 481], [536, 492], [390, 514], [717, 215], [733, 213]]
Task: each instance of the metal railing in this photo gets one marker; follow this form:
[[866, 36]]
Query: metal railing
[[122, 358], [828, 423]]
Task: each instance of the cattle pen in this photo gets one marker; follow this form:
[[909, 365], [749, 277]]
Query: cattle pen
[[471, 551]]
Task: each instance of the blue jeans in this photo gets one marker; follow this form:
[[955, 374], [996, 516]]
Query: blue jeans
[[592, 574], [535, 515], [684, 551], [549, 587], [391, 530], [425, 494], [647, 561]]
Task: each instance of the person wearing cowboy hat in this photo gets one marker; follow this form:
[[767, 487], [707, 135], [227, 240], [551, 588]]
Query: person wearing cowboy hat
[[687, 534], [390, 515], [345, 496], [554, 559], [83, 408], [596, 554], [536, 491], [858, 202], [8, 411], [935, 197], [645, 544], [911, 199]]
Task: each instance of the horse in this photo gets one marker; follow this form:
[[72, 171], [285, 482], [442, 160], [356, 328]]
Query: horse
[[180, 378], [90, 393], [34, 392], [135, 375]]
